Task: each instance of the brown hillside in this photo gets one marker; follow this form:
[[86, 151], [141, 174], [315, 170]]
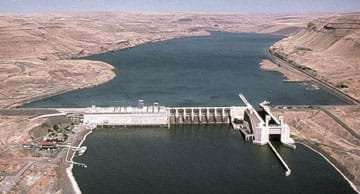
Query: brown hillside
[[330, 46]]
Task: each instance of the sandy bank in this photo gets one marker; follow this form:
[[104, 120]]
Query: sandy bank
[[290, 74]]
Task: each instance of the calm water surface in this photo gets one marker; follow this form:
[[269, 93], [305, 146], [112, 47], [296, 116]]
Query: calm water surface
[[198, 71], [195, 71], [197, 160]]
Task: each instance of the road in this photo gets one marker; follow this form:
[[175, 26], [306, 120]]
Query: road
[[323, 109], [275, 59], [9, 182], [342, 124]]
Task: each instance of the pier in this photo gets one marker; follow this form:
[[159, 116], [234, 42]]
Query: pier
[[288, 171]]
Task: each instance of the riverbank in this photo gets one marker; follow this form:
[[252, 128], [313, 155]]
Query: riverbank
[[322, 133], [61, 77], [67, 179], [23, 81], [305, 126], [328, 50], [291, 75], [36, 59], [331, 162], [69, 172], [339, 141]]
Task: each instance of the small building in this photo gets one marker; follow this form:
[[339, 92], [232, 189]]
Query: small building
[[55, 137], [47, 145]]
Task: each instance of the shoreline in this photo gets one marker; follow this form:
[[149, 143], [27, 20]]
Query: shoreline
[[293, 73], [68, 170], [79, 57], [76, 189], [284, 64], [323, 155], [74, 184], [25, 102]]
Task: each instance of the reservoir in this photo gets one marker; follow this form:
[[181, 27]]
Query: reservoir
[[196, 71]]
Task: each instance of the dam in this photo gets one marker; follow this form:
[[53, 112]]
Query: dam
[[197, 158], [255, 125]]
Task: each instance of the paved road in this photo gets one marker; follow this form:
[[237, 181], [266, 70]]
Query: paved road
[[324, 84], [27, 111], [342, 124], [321, 108]]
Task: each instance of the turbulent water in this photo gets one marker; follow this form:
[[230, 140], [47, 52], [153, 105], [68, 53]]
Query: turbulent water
[[200, 71]]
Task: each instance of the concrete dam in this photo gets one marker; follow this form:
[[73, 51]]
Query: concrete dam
[[255, 125]]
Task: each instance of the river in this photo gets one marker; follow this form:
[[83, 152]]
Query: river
[[199, 71]]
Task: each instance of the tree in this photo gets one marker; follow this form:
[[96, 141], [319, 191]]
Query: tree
[[56, 127]]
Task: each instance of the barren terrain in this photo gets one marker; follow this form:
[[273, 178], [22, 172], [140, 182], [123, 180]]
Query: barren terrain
[[21, 171], [320, 131], [36, 60], [25, 80], [329, 48]]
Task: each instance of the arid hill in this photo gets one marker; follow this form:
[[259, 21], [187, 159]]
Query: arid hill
[[62, 36], [329, 48], [25, 80]]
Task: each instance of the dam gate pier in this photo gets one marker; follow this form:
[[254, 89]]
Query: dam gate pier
[[256, 125]]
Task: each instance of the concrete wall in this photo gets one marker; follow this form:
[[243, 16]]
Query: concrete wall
[[261, 134]]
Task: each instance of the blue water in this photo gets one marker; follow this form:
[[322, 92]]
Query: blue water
[[200, 71]]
